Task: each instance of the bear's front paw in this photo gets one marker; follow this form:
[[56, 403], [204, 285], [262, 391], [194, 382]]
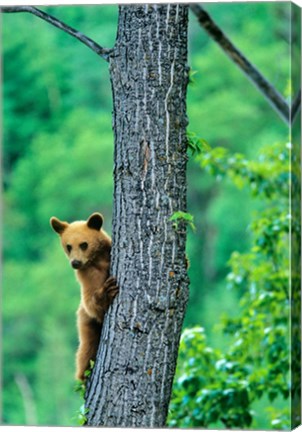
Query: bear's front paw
[[111, 287]]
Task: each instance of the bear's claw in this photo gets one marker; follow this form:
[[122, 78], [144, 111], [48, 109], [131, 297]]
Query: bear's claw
[[111, 286]]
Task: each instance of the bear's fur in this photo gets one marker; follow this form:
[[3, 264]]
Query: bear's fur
[[88, 248]]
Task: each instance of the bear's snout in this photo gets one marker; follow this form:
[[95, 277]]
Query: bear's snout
[[76, 264]]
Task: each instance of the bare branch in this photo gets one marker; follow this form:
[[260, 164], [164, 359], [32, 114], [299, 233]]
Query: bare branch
[[102, 52], [269, 91], [295, 106]]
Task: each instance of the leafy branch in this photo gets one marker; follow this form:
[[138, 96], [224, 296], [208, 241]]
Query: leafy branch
[[268, 176], [216, 388], [196, 144]]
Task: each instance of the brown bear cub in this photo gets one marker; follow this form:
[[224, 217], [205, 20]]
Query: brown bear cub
[[88, 248]]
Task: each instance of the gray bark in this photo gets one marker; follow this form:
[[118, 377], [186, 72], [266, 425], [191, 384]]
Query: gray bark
[[131, 382]]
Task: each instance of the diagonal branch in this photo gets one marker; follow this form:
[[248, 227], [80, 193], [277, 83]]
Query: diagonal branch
[[102, 52], [296, 105], [268, 90]]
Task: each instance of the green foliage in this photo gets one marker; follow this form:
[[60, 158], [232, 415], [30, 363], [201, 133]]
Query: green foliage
[[216, 388], [80, 388], [88, 371], [208, 388], [266, 177], [280, 419], [191, 76], [82, 415], [196, 144], [183, 216]]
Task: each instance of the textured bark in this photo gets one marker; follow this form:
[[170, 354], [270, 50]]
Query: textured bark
[[132, 378]]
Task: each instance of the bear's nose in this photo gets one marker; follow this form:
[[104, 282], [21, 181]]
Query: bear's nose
[[76, 264]]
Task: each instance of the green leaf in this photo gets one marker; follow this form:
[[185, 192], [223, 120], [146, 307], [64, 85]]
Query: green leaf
[[183, 216]]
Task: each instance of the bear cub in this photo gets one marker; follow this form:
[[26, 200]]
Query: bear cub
[[88, 248]]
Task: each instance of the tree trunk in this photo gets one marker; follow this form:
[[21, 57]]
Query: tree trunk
[[132, 379]]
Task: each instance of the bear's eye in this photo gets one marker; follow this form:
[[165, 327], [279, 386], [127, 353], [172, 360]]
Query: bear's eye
[[83, 246], [68, 247]]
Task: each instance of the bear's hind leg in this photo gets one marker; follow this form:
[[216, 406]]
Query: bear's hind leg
[[89, 336]]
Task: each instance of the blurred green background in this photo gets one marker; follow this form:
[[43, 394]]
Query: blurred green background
[[58, 160]]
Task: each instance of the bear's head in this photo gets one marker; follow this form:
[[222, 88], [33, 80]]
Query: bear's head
[[83, 241]]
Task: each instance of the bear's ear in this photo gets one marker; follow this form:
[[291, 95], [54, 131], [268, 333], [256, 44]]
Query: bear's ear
[[57, 225], [95, 221]]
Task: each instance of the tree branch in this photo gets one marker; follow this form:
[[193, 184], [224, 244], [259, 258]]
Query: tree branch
[[269, 91], [102, 52], [295, 106]]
